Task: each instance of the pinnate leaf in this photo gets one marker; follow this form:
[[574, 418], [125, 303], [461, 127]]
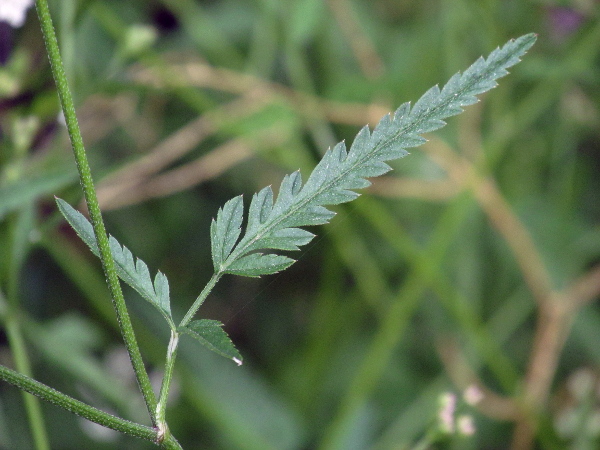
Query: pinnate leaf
[[132, 271], [275, 225], [210, 334], [225, 231]]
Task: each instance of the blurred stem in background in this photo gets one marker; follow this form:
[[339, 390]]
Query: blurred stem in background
[[19, 229]]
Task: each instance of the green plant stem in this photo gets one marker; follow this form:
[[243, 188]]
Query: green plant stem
[[161, 424], [32, 405], [163, 430], [95, 415], [14, 334], [20, 226], [89, 192], [198, 302], [75, 406]]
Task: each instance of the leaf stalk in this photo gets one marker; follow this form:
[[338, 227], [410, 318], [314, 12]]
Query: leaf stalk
[[200, 299]]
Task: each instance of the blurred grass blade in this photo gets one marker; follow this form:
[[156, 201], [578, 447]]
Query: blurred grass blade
[[24, 190]]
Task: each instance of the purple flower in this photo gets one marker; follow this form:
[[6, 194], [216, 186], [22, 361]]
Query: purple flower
[[564, 21]]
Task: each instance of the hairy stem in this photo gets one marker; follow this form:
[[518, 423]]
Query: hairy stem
[[95, 415], [55, 397], [89, 192]]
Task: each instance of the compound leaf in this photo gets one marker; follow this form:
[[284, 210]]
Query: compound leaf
[[274, 226], [132, 271]]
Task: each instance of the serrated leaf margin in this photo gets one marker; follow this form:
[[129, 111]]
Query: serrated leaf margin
[[131, 270], [210, 333], [340, 171]]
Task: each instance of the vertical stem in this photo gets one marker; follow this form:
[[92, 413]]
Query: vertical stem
[[89, 192], [32, 405], [19, 353], [19, 228], [164, 389], [552, 330]]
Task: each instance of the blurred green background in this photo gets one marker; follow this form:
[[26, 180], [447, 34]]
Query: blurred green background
[[475, 262]]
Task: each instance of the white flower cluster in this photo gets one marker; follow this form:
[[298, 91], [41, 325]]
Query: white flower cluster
[[578, 416], [463, 424], [14, 11]]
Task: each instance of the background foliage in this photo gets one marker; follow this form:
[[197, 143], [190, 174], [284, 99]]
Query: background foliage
[[475, 261]]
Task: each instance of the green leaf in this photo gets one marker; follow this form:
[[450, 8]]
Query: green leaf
[[340, 172], [210, 334], [132, 271], [257, 264], [225, 231]]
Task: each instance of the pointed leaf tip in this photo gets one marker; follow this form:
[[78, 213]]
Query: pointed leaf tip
[[340, 172], [210, 333], [225, 230]]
